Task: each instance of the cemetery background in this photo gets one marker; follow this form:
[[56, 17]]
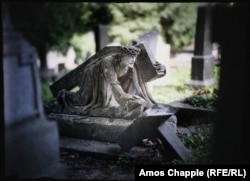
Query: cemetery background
[[90, 159], [170, 88]]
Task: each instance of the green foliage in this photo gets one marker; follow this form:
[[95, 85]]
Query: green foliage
[[99, 13], [200, 144], [122, 162], [83, 44], [178, 21], [200, 101], [168, 93], [172, 87], [46, 25], [132, 20], [46, 93], [217, 73], [62, 21], [175, 21], [50, 25], [204, 100]]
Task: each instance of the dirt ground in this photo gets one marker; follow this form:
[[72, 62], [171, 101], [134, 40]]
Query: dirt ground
[[91, 167], [84, 166]]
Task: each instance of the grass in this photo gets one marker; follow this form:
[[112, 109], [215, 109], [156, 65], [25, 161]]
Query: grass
[[173, 86], [46, 93], [200, 146]]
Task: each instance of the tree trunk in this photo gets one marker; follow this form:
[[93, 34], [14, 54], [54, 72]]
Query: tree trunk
[[43, 59]]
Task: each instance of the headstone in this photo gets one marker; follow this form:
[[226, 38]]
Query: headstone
[[31, 142], [55, 58], [101, 36], [61, 67], [150, 39], [202, 70], [163, 52]]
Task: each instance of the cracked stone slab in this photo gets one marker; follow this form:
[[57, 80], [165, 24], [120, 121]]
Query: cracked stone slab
[[93, 128]]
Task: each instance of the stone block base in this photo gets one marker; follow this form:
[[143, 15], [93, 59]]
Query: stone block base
[[92, 128]]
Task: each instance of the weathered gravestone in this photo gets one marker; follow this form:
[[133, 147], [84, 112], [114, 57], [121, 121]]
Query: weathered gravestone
[[31, 141], [202, 70], [149, 39], [101, 36]]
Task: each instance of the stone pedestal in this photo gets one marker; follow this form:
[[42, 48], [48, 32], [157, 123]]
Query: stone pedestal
[[202, 71], [32, 150], [91, 128]]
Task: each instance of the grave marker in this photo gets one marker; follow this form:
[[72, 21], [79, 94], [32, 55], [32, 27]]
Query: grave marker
[[31, 141], [202, 70]]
